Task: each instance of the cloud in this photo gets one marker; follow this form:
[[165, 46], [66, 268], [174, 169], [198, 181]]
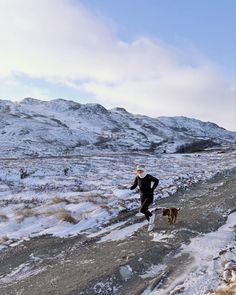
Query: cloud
[[64, 42]]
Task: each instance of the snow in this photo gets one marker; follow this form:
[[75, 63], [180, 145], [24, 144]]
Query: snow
[[194, 127], [154, 271], [203, 274], [59, 127], [120, 234], [161, 236], [95, 190], [205, 250], [106, 229], [126, 272], [21, 273], [79, 162]]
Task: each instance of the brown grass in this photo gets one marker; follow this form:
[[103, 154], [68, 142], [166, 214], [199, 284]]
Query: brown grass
[[3, 239], [104, 206], [25, 213], [3, 218], [65, 215], [96, 199], [229, 290], [58, 200]]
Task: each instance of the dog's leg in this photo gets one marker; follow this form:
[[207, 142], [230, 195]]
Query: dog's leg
[[169, 219], [174, 219]]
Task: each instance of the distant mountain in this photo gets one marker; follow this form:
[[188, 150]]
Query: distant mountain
[[59, 127]]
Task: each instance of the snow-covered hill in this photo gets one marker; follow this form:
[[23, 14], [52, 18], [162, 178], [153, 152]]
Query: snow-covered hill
[[61, 127]]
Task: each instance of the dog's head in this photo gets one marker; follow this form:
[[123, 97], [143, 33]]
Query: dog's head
[[165, 211]]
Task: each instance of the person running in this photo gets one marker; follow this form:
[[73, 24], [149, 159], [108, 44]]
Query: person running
[[147, 184]]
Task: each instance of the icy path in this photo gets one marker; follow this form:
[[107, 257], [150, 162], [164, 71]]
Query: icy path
[[123, 258], [207, 253]]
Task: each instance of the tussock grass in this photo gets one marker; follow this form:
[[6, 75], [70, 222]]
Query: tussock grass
[[122, 186], [100, 201], [96, 199], [63, 215], [227, 290], [58, 200], [50, 213], [104, 206], [3, 239], [25, 213], [92, 199], [3, 218], [66, 216]]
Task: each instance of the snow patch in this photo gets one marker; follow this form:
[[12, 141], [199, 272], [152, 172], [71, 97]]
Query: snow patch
[[123, 233], [203, 275]]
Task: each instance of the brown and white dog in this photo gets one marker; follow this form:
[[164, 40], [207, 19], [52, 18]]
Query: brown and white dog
[[171, 213]]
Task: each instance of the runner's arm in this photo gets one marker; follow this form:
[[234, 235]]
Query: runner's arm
[[156, 182], [134, 184]]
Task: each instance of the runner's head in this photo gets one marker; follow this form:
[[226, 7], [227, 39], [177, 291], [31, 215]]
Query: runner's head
[[140, 169]]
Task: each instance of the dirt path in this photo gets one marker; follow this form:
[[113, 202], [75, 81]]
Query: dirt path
[[80, 265]]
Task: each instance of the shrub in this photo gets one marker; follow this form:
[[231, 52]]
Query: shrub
[[23, 173], [196, 146], [66, 170], [3, 218], [66, 216]]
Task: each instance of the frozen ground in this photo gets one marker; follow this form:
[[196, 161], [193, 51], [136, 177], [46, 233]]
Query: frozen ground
[[93, 206], [94, 189], [201, 276]]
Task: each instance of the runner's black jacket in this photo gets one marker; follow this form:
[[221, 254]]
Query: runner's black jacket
[[144, 185]]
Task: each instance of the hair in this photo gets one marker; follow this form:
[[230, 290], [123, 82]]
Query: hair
[[140, 167]]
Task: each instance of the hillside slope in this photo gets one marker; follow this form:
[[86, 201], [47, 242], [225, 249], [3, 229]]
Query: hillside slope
[[60, 127]]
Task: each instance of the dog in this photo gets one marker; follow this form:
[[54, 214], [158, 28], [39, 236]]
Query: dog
[[171, 213]]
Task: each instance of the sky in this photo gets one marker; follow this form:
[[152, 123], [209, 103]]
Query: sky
[[152, 57]]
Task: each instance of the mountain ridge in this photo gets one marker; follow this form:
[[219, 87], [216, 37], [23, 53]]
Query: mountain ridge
[[59, 127]]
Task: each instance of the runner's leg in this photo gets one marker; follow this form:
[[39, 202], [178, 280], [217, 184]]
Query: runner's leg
[[145, 203]]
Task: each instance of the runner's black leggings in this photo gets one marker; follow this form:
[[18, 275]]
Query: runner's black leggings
[[145, 203]]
